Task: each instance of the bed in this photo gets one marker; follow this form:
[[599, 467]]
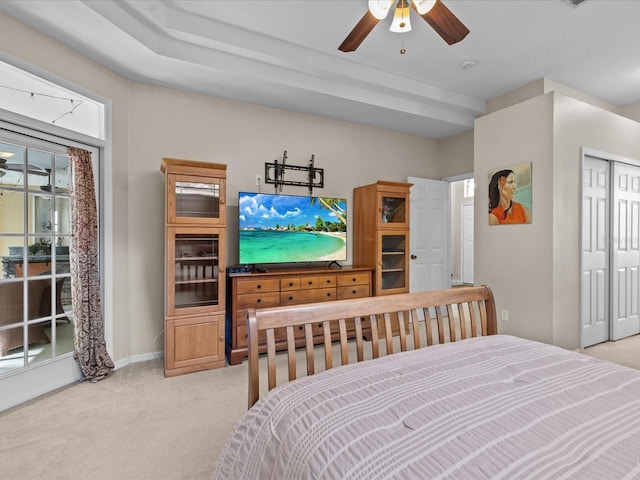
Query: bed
[[474, 404]]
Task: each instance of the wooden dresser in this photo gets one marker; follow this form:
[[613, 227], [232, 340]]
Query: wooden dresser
[[279, 287]]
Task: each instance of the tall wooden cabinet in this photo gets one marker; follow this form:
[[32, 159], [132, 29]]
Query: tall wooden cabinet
[[381, 234], [195, 227]]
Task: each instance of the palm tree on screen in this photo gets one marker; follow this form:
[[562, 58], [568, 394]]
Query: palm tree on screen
[[333, 205]]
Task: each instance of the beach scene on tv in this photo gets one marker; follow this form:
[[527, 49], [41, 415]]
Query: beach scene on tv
[[290, 228]]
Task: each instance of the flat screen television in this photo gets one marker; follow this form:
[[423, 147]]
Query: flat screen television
[[275, 228]]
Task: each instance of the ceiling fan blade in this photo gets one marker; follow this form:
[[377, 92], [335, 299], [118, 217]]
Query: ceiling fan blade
[[445, 23], [359, 33], [19, 167]]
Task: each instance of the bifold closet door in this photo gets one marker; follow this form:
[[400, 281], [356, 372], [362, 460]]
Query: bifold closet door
[[625, 258], [595, 252]]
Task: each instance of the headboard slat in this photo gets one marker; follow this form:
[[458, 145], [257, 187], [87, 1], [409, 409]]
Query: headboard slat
[[291, 351], [344, 352]]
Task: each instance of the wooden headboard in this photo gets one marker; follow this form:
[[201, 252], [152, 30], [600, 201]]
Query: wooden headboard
[[382, 325]]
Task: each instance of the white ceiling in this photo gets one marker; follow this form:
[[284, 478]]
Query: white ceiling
[[284, 53]]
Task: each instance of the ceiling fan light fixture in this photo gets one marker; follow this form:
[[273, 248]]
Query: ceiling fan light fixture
[[423, 6], [401, 22], [380, 8]]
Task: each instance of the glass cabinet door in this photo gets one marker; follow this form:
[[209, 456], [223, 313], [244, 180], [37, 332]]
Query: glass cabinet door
[[195, 200], [195, 271], [392, 210], [394, 262]]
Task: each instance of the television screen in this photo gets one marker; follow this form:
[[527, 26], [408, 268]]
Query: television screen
[[289, 228]]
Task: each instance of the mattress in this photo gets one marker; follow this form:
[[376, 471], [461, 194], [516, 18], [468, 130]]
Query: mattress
[[496, 407]]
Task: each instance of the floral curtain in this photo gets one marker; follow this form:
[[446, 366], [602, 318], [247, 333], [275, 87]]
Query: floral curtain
[[90, 347]]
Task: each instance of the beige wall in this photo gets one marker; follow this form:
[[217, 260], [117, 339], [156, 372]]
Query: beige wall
[[170, 123], [13, 204], [148, 123], [456, 155], [535, 269], [541, 87], [578, 125], [516, 260], [632, 111]]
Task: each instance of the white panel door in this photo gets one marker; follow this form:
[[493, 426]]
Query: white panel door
[[429, 235], [625, 259], [467, 243], [595, 252]]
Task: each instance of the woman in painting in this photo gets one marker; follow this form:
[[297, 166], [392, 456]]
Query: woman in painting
[[502, 208]]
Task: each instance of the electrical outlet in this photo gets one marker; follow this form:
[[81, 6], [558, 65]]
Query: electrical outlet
[[504, 315], [258, 179]]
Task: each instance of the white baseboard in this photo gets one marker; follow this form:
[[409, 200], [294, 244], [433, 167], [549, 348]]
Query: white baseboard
[[145, 357]]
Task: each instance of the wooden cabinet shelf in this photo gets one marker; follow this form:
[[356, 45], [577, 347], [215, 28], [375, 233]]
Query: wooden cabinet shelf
[[189, 282], [287, 287], [194, 265]]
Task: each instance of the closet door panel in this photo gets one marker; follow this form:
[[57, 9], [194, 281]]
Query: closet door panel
[[625, 259], [595, 252]]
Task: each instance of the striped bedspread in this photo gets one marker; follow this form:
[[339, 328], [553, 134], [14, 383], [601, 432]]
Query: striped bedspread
[[495, 407]]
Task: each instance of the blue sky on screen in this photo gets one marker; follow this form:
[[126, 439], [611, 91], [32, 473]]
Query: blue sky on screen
[[260, 210]]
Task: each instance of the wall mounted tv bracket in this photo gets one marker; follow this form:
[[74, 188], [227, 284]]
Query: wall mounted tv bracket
[[274, 173]]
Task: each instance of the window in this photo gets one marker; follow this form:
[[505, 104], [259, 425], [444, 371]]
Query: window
[[35, 97], [469, 187], [36, 318]]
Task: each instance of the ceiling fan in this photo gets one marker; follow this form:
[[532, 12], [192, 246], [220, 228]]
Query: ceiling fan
[[434, 12], [19, 167], [48, 187]]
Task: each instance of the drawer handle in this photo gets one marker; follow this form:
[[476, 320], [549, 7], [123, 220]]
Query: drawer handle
[[291, 284], [328, 281], [259, 300], [300, 327], [354, 292], [259, 285], [310, 282], [290, 297], [353, 279], [328, 294]]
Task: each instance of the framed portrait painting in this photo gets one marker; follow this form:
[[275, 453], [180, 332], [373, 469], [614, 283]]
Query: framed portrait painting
[[510, 195]]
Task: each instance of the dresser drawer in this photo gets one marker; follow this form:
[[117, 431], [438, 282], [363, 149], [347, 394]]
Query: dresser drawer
[[307, 296], [353, 279], [257, 286], [308, 281], [258, 300], [325, 281], [353, 291], [291, 283]]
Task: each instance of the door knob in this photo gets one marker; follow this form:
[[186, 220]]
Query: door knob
[[413, 257]]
